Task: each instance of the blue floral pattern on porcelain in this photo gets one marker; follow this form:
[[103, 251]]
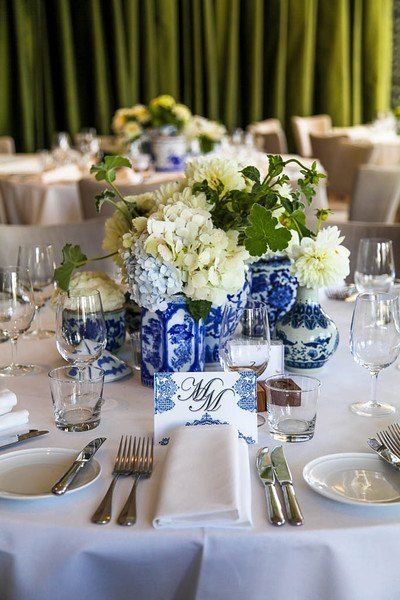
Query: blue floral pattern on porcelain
[[171, 340], [309, 335], [272, 284]]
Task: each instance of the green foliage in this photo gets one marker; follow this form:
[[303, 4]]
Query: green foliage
[[106, 170], [264, 232], [73, 258], [199, 309], [105, 196]]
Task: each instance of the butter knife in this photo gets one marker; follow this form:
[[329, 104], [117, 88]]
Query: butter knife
[[284, 477], [266, 474], [81, 460], [22, 437], [384, 453]]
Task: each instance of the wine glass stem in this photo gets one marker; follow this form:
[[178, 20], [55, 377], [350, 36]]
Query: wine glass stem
[[374, 379], [38, 319], [13, 352]]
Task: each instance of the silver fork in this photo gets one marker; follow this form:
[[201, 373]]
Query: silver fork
[[123, 465], [390, 438], [143, 466]]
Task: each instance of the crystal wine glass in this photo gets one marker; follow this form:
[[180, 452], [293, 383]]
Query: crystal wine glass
[[375, 343], [81, 334], [39, 261], [375, 270], [17, 309], [247, 346]]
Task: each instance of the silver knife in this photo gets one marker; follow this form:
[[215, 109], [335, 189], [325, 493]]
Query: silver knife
[[384, 453], [81, 460], [284, 477], [22, 437], [266, 474]]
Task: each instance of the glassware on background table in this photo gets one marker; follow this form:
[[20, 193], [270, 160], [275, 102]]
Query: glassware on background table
[[17, 309], [40, 262], [375, 343], [247, 346], [81, 334], [77, 400], [375, 271], [61, 140], [136, 349], [292, 406]]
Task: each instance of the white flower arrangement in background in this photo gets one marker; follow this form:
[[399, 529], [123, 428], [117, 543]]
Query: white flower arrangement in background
[[207, 132], [87, 282]]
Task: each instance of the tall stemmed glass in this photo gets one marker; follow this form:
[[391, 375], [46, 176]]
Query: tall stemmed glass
[[375, 270], [247, 346], [40, 262], [81, 334], [375, 343], [17, 309]]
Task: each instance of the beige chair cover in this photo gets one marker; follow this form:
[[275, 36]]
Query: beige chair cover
[[377, 194], [351, 155], [269, 136], [325, 147], [303, 126], [7, 144]]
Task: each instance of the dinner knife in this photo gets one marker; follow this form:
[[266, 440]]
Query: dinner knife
[[266, 474], [384, 453], [81, 460], [22, 437], [284, 477]]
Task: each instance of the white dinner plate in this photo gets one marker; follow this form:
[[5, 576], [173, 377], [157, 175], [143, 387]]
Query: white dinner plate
[[30, 474], [354, 478]]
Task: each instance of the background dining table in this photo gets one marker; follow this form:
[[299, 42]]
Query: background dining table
[[49, 548]]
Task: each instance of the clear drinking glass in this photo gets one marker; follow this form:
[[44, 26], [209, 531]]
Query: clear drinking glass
[[40, 262], [247, 346], [375, 270], [292, 406], [77, 401], [81, 334], [375, 343], [17, 309]]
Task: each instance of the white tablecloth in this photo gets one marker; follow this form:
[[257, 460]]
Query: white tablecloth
[[49, 549], [386, 144]]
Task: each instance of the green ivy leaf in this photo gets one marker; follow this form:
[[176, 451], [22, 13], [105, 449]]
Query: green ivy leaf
[[106, 169], [104, 196], [251, 173], [199, 309], [73, 258], [264, 232]]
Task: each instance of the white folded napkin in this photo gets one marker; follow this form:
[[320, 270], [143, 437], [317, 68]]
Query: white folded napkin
[[7, 400], [206, 479], [14, 419], [64, 173]]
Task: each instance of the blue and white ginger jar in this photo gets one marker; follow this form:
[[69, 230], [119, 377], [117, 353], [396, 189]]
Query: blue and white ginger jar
[[309, 335], [171, 340], [273, 285], [170, 153], [116, 329]]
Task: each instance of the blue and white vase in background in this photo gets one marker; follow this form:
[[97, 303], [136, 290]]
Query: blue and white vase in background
[[237, 302], [170, 153], [116, 329], [309, 335], [272, 284], [171, 340]]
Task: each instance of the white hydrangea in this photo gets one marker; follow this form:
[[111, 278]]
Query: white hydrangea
[[85, 282], [145, 203], [216, 170], [114, 230], [319, 262], [200, 126]]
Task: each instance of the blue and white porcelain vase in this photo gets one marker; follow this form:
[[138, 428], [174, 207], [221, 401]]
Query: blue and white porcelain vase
[[272, 284], [115, 326], [309, 335], [214, 320], [169, 152], [171, 340]]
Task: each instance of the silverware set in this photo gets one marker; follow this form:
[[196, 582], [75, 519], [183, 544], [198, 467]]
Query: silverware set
[[272, 467], [387, 444], [134, 459]]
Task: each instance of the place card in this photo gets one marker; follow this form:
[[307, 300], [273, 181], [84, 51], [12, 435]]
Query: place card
[[196, 399]]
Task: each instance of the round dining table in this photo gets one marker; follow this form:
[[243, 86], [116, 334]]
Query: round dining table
[[50, 549]]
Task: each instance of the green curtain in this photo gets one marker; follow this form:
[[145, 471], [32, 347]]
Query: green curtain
[[67, 64]]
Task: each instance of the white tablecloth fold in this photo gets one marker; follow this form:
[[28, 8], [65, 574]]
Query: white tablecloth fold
[[7, 400], [13, 419], [206, 480]]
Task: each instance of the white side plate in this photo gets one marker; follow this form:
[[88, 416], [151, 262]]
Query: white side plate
[[354, 478], [30, 474]]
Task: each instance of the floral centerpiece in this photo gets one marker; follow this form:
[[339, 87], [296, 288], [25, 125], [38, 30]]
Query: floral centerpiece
[[130, 123], [207, 133], [184, 248]]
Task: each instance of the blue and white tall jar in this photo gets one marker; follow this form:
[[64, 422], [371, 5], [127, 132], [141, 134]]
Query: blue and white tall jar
[[273, 285], [170, 153], [309, 335], [171, 340]]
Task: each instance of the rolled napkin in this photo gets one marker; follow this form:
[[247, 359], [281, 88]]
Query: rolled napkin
[[206, 480], [14, 419], [7, 400]]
